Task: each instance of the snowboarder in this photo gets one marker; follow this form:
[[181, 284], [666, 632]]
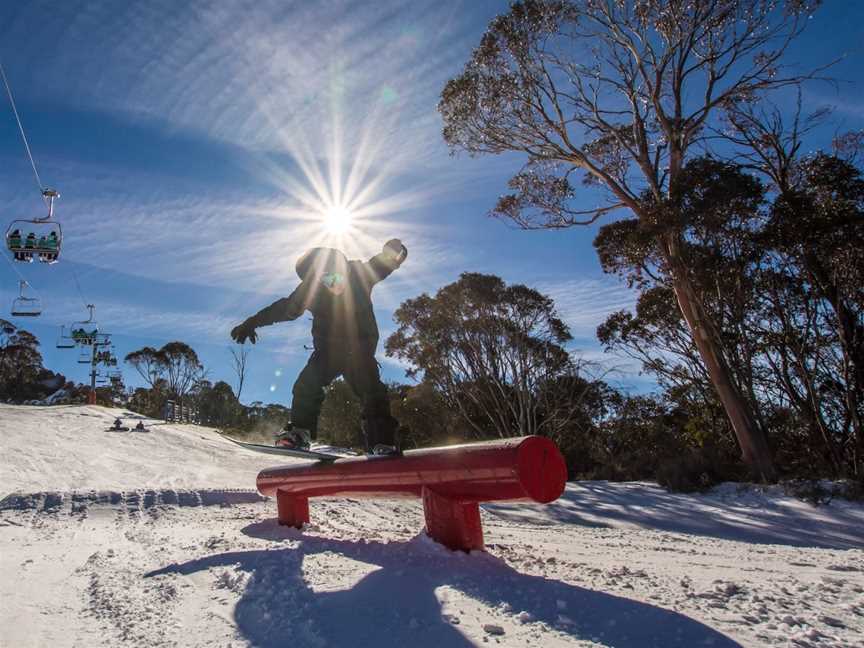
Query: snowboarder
[[345, 334], [140, 427], [118, 424]]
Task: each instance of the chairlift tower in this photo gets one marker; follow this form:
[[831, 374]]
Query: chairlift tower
[[95, 348], [98, 342]]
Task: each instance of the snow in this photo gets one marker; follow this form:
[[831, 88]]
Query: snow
[[69, 447], [158, 539]]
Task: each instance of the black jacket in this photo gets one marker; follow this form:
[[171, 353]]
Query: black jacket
[[347, 317]]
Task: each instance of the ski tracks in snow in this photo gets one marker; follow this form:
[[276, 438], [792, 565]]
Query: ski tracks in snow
[[166, 574]]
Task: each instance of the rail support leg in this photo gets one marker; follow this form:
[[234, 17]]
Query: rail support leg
[[453, 523], [292, 510]]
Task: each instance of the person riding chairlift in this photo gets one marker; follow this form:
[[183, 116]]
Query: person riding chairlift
[[15, 244], [49, 244], [41, 244]]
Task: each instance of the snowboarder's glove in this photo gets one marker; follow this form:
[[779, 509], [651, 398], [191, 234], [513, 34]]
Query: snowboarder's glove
[[243, 332], [395, 251]]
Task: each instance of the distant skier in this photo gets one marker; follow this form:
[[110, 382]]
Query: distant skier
[[338, 293]]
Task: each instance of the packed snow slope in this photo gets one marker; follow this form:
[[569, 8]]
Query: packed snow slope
[[158, 539], [68, 447]]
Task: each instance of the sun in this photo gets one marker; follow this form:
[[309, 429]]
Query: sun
[[338, 219]]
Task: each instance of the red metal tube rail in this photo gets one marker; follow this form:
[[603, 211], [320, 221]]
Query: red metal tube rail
[[450, 480]]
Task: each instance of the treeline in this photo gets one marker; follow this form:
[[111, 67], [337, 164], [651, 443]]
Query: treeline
[[493, 359], [175, 372]]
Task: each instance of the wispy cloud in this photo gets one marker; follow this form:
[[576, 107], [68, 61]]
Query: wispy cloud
[[585, 303], [267, 75]]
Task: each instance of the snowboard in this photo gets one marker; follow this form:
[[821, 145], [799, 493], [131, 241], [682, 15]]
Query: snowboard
[[288, 452]]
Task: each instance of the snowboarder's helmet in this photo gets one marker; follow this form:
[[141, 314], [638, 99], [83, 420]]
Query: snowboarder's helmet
[[320, 260]]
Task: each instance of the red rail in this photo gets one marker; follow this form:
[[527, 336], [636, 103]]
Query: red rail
[[451, 481]]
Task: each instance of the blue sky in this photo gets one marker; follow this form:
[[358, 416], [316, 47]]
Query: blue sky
[[194, 145]]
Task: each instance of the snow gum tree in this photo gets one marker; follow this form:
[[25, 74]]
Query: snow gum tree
[[494, 352], [176, 365], [147, 363], [619, 94]]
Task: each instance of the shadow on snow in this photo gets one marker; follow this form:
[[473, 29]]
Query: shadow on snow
[[744, 517], [396, 604]]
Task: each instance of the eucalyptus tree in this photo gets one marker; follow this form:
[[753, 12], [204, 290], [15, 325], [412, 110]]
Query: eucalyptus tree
[[175, 365], [495, 353]]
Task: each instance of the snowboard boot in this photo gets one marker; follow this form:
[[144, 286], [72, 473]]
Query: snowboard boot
[[294, 437], [379, 433]]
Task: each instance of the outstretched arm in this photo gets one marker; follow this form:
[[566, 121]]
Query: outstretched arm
[[391, 257], [282, 310]]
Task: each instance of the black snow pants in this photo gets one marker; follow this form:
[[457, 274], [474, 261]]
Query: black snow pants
[[355, 361]]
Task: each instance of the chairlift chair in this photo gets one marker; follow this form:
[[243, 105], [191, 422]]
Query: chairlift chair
[[85, 332], [23, 306], [39, 238], [85, 356], [65, 341]]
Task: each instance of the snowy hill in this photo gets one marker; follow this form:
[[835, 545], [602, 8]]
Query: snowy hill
[[158, 539], [69, 447]]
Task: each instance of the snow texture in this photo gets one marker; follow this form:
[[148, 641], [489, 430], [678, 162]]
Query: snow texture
[[159, 539]]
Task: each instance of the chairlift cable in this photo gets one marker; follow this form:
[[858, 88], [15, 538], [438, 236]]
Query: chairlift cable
[[21, 129], [78, 286]]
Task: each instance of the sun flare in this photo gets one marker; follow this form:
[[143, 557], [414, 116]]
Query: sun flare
[[338, 219]]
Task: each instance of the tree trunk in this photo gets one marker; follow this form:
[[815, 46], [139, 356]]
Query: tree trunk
[[754, 446]]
